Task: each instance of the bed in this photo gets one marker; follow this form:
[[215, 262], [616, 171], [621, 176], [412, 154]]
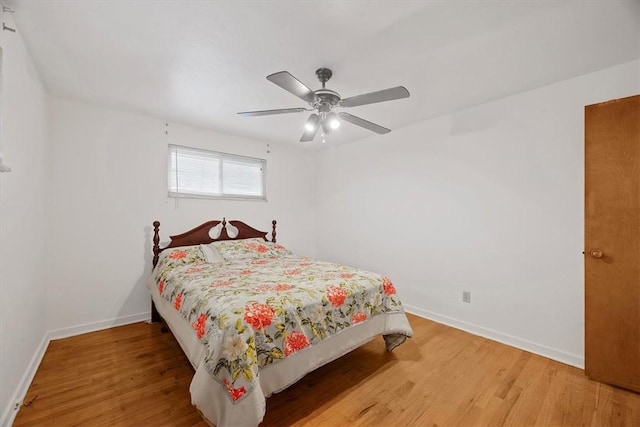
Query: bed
[[253, 318]]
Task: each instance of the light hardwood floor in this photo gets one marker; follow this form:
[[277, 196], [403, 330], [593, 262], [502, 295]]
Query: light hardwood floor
[[136, 376]]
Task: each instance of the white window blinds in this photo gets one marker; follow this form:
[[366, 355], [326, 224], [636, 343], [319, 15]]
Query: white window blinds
[[202, 173]]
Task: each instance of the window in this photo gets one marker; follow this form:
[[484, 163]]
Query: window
[[203, 173]]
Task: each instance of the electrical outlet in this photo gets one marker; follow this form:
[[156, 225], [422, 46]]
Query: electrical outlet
[[16, 406], [466, 296]]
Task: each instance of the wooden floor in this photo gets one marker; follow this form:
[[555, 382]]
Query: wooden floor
[[136, 376]]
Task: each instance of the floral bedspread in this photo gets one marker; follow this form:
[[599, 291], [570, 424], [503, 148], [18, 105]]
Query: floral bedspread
[[250, 313]]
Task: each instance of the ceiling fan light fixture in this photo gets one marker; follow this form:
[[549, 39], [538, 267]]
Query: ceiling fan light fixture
[[334, 122], [326, 128], [312, 123]]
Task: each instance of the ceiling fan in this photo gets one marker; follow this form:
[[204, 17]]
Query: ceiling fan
[[324, 100]]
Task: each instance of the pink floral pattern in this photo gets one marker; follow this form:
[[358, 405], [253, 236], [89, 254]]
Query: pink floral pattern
[[358, 317], [199, 325], [183, 255], [280, 287], [336, 295], [234, 393], [259, 316], [273, 307], [295, 341], [220, 283], [388, 287], [178, 254], [177, 303]]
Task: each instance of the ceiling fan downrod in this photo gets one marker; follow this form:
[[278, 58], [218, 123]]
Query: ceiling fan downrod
[[323, 74]]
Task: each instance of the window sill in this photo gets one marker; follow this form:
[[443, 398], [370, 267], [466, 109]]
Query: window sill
[[196, 196]]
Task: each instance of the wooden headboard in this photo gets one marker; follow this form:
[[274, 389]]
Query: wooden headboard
[[200, 235]]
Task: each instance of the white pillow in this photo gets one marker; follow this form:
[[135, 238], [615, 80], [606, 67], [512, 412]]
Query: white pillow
[[211, 254]]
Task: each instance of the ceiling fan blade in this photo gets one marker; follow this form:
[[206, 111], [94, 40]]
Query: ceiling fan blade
[[397, 92], [289, 83], [311, 128], [363, 123], [269, 112]]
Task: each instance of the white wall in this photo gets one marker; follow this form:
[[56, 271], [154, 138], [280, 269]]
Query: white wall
[[488, 200], [108, 184], [23, 217]]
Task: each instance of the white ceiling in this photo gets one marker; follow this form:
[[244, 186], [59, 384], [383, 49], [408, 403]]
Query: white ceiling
[[200, 62]]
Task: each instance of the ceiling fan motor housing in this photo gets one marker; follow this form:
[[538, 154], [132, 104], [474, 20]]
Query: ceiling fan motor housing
[[326, 97]]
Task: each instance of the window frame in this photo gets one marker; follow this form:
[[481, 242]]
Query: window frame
[[222, 156]]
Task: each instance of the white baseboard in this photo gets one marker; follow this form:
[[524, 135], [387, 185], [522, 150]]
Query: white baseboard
[[10, 411], [97, 326], [551, 353]]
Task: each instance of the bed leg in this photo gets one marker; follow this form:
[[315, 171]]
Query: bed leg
[[155, 316]]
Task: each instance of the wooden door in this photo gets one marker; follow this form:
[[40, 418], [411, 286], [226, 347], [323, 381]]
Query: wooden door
[[612, 242]]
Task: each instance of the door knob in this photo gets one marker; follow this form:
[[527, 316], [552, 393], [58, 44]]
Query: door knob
[[597, 253]]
